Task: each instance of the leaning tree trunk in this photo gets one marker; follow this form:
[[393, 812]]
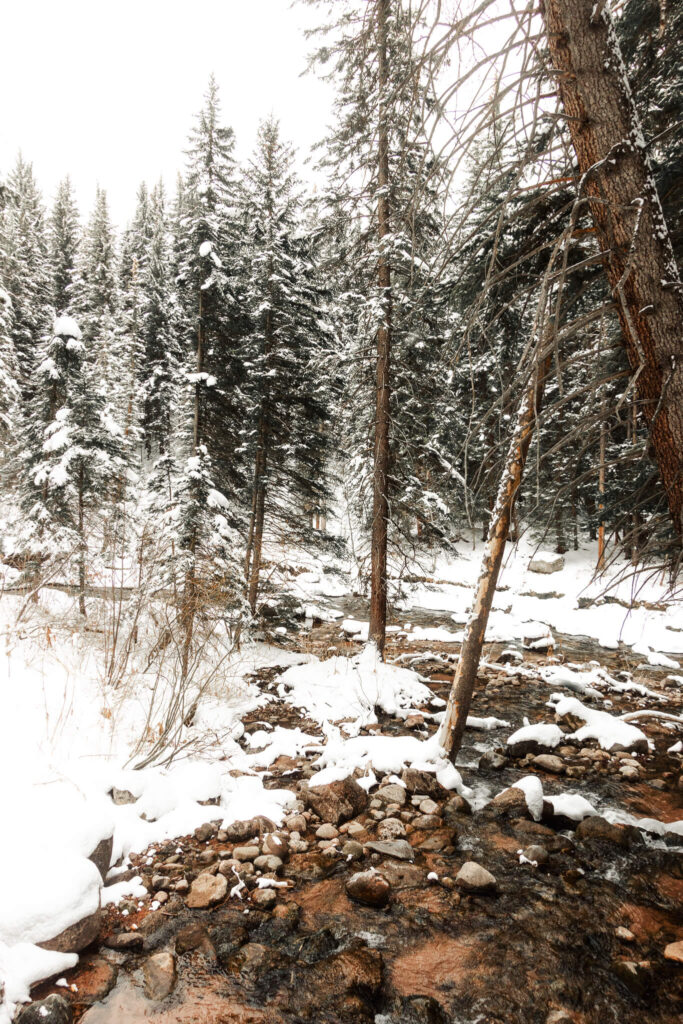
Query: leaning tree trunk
[[629, 223], [380, 504], [453, 725]]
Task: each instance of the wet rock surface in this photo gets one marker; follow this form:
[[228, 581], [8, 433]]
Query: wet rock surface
[[464, 910]]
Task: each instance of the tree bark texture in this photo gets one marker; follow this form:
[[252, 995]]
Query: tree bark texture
[[380, 504], [630, 226], [460, 698]]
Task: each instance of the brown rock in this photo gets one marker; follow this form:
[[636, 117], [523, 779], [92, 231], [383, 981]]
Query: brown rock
[[473, 877], [159, 973], [77, 936], [338, 801], [53, 1010], [597, 828], [369, 887], [101, 856], [423, 782], [95, 980], [207, 890], [511, 803], [674, 951], [195, 936]]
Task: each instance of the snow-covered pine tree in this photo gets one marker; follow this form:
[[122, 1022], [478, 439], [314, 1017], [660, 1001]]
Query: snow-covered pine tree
[[159, 369], [9, 391], [207, 291], [24, 268], [71, 460], [64, 234], [386, 183], [289, 443]]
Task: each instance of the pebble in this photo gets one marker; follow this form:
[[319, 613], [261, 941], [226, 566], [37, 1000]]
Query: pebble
[[399, 848], [625, 934], [276, 845], [629, 772], [472, 877], [204, 832], [160, 882], [355, 828], [296, 823], [428, 806], [427, 821]]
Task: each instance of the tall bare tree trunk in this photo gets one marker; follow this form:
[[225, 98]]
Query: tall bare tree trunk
[[601, 500], [259, 506], [629, 223], [453, 725], [188, 609], [380, 504], [81, 543]]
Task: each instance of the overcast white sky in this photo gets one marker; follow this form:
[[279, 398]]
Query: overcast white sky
[[105, 90]]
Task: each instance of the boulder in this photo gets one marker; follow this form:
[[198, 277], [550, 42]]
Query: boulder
[[77, 936], [369, 887], [338, 801], [264, 898], [159, 973], [546, 562]]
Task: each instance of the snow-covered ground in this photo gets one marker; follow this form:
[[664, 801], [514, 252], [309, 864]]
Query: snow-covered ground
[[67, 739]]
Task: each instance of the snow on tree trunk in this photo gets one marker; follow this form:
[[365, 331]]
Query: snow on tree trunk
[[460, 698], [380, 506], [628, 218]]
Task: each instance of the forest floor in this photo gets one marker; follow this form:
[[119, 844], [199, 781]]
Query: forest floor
[[570, 909]]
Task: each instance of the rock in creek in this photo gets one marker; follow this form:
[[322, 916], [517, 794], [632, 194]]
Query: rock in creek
[[159, 973], [369, 887], [472, 877], [338, 801], [207, 890]]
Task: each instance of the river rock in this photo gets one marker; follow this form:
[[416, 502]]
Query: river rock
[[352, 850], [549, 763], [597, 828], [264, 898], [53, 1010], [267, 862], [392, 794], [77, 936], [425, 821], [472, 877], [511, 803], [327, 831], [399, 848], [159, 973], [195, 936], [338, 801], [546, 562], [296, 823], [125, 942], [369, 887], [423, 782], [101, 856], [674, 951], [391, 828], [355, 828], [428, 806], [452, 811], [245, 853], [205, 832], [207, 890], [537, 854], [492, 759]]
